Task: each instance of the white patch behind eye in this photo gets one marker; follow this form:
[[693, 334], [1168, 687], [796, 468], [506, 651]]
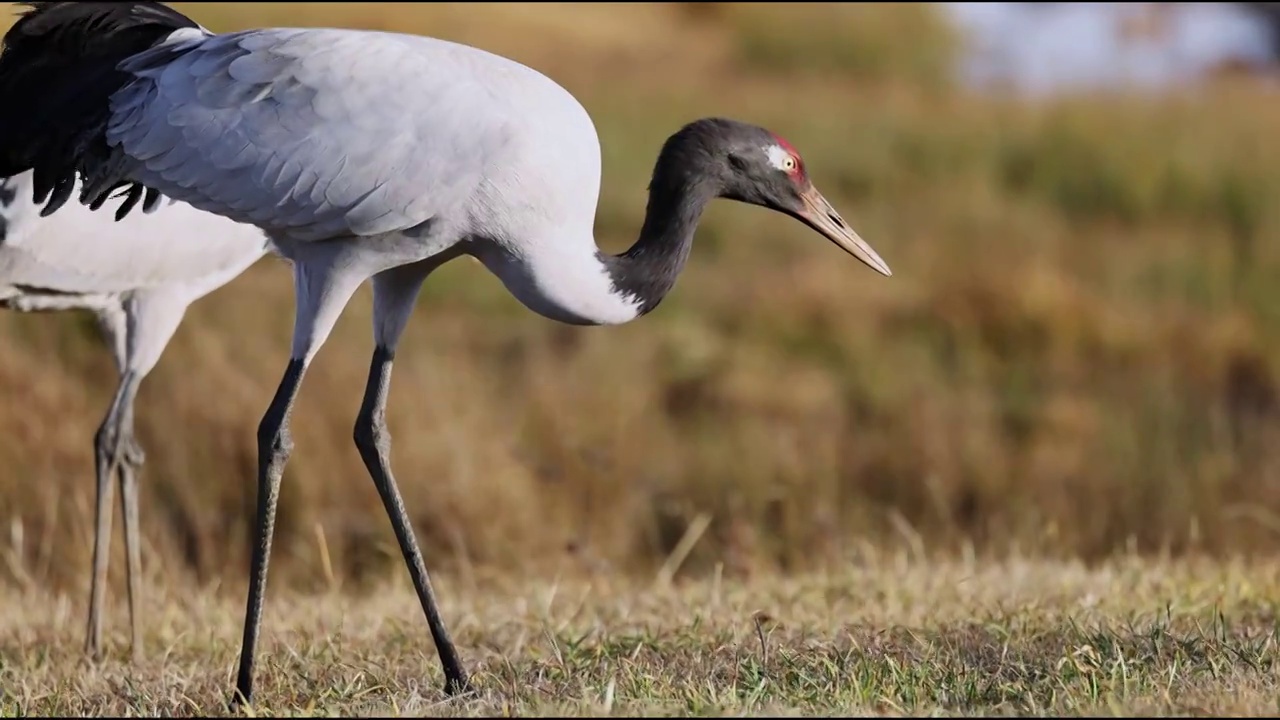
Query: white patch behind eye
[[777, 157]]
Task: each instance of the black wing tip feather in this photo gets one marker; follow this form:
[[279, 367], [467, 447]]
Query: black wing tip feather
[[57, 75], [130, 13]]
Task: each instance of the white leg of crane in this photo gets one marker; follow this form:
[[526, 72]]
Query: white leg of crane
[[114, 328], [137, 331], [153, 316]]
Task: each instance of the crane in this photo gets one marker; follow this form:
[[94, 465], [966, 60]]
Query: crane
[[368, 156], [137, 277]]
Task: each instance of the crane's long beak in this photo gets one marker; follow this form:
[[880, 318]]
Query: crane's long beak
[[819, 215]]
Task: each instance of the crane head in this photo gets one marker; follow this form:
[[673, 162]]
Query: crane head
[[753, 165]]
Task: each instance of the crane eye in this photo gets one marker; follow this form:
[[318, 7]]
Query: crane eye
[[789, 164]]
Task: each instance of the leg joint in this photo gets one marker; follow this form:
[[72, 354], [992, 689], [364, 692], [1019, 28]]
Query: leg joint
[[102, 442], [107, 445], [274, 438], [371, 436]]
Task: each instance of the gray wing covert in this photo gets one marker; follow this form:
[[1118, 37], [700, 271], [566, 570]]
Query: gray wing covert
[[313, 133]]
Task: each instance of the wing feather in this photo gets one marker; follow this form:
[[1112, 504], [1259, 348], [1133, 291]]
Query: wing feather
[[311, 133]]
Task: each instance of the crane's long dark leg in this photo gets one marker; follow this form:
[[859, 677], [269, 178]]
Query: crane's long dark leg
[[322, 289], [374, 442], [394, 295], [274, 445]]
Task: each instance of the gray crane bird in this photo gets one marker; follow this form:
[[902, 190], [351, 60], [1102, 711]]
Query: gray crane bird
[[368, 156], [137, 277]]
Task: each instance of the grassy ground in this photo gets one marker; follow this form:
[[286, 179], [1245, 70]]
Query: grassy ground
[[887, 636], [1075, 364], [1077, 357]]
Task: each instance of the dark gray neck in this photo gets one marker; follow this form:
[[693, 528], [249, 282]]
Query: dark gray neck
[[682, 185]]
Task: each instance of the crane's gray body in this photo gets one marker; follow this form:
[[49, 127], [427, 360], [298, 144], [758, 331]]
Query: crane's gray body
[[405, 148]]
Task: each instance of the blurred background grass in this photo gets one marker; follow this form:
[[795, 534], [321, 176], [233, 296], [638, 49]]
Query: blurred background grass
[[1076, 354]]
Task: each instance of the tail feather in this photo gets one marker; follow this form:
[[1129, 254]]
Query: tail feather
[[58, 71]]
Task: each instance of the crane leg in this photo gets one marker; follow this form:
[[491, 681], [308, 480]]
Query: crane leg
[[114, 326], [322, 290], [374, 442], [153, 317], [138, 332], [128, 472], [394, 294], [275, 442], [102, 530], [109, 459]]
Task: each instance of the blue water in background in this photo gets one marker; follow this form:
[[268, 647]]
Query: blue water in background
[[1043, 48]]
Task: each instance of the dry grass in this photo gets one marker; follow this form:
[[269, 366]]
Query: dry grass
[[1075, 357], [1074, 365], [884, 636]]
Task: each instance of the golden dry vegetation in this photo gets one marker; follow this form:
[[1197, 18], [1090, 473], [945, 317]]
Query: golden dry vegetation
[[889, 635], [1076, 357]]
